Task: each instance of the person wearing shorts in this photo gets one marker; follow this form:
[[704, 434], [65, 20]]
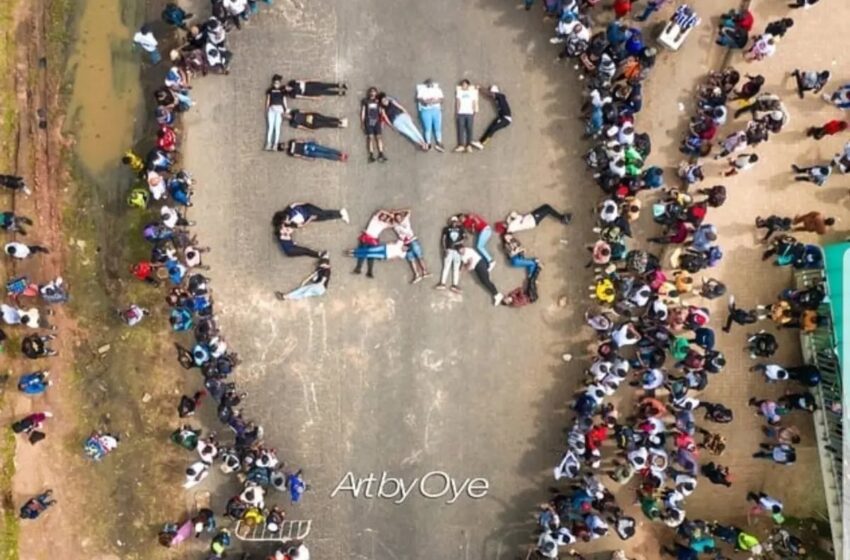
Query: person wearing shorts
[[370, 118], [404, 230]]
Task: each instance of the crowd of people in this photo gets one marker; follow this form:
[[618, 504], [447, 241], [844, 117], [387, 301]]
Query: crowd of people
[[650, 323], [175, 264], [26, 314], [651, 326]]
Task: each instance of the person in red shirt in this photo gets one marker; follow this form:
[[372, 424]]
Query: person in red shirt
[[622, 8], [166, 139], [474, 223], [828, 129], [596, 437], [146, 272]]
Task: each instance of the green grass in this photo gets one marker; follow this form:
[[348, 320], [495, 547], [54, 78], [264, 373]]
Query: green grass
[[9, 527]]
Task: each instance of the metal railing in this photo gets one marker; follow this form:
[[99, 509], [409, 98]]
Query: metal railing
[[819, 348], [296, 530]]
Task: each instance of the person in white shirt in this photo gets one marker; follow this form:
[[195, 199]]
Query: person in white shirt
[[237, 10], [472, 261], [466, 105], [20, 251], [415, 256], [773, 372], [429, 99], [515, 221], [145, 40]]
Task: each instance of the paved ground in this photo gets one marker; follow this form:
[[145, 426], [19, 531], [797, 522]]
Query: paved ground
[[382, 376]]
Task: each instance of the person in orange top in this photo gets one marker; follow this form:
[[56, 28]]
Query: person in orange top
[[813, 222]]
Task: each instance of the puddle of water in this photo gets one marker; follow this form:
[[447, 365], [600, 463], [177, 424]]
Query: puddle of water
[[106, 92]]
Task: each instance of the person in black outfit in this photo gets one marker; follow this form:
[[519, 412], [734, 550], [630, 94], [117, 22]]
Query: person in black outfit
[[370, 119], [772, 224], [779, 27], [313, 121], [717, 474], [739, 316], [503, 114], [301, 89]]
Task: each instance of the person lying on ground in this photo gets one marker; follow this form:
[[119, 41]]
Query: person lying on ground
[[395, 114], [309, 89], [313, 121], [313, 286], [473, 261], [15, 183], [18, 250], [308, 149]]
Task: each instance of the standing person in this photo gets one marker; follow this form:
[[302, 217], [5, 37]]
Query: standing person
[[813, 222], [651, 7], [370, 118], [763, 47], [802, 4], [400, 120], [810, 80], [772, 224], [474, 223], [11, 222], [313, 286], [473, 261], [503, 116], [741, 163], [779, 27], [275, 109], [404, 231], [14, 183], [840, 97], [451, 240], [20, 251], [429, 99], [817, 174], [827, 129], [466, 105], [237, 11], [145, 40]]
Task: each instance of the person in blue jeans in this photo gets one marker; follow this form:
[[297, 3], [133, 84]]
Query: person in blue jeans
[[382, 252], [307, 149], [429, 98], [516, 255], [275, 109], [651, 7], [400, 119]]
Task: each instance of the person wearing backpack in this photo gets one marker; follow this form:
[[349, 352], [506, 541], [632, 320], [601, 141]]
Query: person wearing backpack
[[174, 15]]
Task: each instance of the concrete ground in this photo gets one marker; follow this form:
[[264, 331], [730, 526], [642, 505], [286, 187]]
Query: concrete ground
[[383, 376]]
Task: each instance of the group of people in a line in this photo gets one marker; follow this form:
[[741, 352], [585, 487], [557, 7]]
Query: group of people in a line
[[176, 261], [27, 311], [376, 109], [651, 329]]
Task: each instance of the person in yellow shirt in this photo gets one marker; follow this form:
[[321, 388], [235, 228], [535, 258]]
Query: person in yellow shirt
[[132, 160]]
